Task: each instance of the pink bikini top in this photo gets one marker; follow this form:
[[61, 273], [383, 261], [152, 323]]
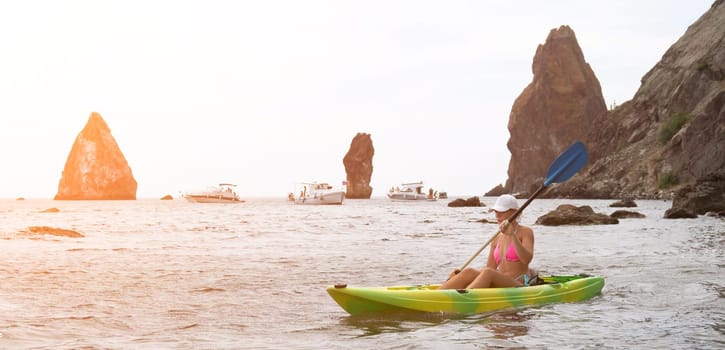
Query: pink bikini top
[[510, 254]]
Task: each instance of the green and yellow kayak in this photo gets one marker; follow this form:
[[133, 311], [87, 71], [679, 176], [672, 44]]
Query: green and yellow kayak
[[428, 298]]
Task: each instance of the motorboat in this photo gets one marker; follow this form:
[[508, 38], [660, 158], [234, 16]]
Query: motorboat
[[223, 193], [412, 191], [318, 193]]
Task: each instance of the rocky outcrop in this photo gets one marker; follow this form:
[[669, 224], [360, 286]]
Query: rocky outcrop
[[624, 203], [553, 111], [626, 214], [705, 195], [96, 168], [470, 202], [47, 230], [679, 213], [567, 214], [496, 191], [359, 166], [671, 134]]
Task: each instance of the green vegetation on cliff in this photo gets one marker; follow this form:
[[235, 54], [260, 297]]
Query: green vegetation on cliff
[[668, 180], [670, 127]]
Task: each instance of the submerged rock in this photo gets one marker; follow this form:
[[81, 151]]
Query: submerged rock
[[96, 168], [567, 214], [46, 230], [679, 213], [626, 214], [470, 202], [625, 203]]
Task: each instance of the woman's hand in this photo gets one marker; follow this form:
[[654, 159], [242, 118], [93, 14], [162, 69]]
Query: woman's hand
[[506, 228], [453, 273]]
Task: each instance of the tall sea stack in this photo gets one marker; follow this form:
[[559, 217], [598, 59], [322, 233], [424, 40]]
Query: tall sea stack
[[553, 111], [96, 168], [359, 166]]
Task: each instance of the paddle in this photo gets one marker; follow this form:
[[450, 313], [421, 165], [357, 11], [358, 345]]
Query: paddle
[[563, 168]]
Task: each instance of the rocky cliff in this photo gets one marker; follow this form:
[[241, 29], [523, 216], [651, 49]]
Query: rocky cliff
[[672, 133], [96, 168], [359, 166], [554, 110], [669, 136]]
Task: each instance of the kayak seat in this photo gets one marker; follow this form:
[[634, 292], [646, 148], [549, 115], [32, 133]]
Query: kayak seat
[[534, 279]]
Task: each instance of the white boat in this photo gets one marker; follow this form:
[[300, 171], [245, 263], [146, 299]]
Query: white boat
[[224, 193], [412, 191], [314, 193]]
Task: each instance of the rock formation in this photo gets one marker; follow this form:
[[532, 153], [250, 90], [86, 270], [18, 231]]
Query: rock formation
[[359, 166], [470, 202], [705, 195], [640, 149], [624, 203], [626, 214], [496, 191], [96, 168], [567, 214], [47, 230], [679, 213], [553, 111]]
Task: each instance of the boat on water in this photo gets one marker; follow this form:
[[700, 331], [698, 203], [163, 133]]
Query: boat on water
[[318, 193], [412, 191], [223, 193], [428, 298]]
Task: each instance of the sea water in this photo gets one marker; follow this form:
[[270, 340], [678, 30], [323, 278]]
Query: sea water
[[152, 274]]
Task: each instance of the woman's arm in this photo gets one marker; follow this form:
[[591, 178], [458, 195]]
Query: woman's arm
[[491, 262], [524, 245]]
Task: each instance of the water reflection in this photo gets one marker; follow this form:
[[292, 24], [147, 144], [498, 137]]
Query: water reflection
[[502, 325], [507, 325], [395, 322]]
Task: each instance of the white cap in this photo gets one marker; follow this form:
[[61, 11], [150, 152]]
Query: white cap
[[504, 203]]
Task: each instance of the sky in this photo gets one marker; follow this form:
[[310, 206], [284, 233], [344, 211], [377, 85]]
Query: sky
[[267, 94]]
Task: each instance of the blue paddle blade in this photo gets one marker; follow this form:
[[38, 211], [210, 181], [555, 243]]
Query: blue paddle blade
[[567, 164]]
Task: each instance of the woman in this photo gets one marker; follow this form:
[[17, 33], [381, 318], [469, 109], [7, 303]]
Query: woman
[[509, 257]]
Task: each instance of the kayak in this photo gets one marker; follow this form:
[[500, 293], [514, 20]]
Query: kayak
[[428, 298]]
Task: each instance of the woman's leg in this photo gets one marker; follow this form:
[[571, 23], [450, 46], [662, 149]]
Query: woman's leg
[[460, 280], [490, 278]]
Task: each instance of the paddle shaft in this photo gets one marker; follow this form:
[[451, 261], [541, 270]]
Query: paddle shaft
[[512, 218]]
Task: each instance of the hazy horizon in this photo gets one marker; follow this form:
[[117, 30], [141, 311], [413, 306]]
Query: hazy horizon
[[268, 94]]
